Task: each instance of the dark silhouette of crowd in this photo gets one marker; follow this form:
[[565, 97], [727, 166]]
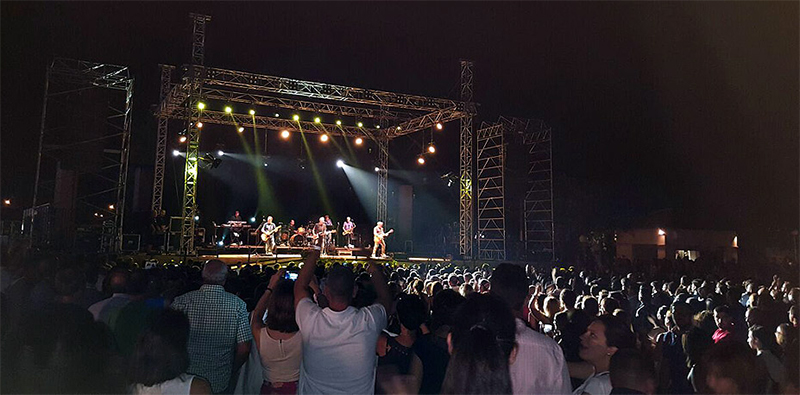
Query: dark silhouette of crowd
[[85, 324]]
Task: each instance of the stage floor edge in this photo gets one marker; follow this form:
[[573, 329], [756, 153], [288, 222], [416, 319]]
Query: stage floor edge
[[235, 259]]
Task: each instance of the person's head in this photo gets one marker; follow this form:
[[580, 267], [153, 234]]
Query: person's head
[[551, 306], [215, 272], [630, 369], [280, 308], [380, 224], [732, 368], [68, 282], [762, 339], [509, 283], [605, 336], [269, 219], [163, 213], [291, 222], [236, 214], [161, 353], [682, 315], [322, 220], [590, 306], [784, 335], [445, 302], [340, 286], [567, 299], [481, 344], [723, 318], [608, 305], [411, 311], [793, 315], [118, 281], [348, 219]]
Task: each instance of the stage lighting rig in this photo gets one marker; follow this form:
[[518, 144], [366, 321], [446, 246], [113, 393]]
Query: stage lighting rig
[[285, 134], [210, 162], [340, 163], [324, 138], [359, 141]]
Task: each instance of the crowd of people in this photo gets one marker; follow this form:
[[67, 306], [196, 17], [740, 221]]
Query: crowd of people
[[80, 325]]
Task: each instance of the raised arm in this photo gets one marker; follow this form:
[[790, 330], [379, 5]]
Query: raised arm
[[257, 322], [380, 285], [305, 275]]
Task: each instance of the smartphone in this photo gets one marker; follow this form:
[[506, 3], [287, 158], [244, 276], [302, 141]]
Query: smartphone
[[290, 276]]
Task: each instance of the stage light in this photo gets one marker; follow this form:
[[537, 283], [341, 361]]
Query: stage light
[[7, 202], [175, 152], [285, 134], [323, 138], [220, 243], [252, 219], [277, 115], [296, 117], [431, 149], [110, 206], [199, 125], [252, 112], [201, 106], [398, 128], [338, 123], [377, 126], [439, 125], [196, 217], [359, 140], [377, 169], [228, 110], [241, 129], [421, 160], [220, 153], [182, 139], [661, 232], [361, 124], [265, 165], [317, 120], [340, 163]]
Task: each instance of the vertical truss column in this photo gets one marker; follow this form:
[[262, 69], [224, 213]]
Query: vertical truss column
[[123, 159], [491, 192], [192, 162], [383, 178], [539, 232], [161, 141], [465, 208], [199, 38]]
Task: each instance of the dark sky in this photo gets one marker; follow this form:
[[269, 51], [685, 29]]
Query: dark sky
[[684, 105]]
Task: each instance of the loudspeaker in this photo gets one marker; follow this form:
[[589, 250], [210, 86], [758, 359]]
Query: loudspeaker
[[130, 243]]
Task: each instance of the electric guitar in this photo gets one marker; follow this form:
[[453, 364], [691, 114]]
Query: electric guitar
[[349, 232], [317, 235], [265, 234], [379, 239]]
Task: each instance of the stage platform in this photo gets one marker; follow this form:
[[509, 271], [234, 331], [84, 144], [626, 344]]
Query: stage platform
[[247, 255]]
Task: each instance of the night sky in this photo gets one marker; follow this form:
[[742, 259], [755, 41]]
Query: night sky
[[655, 105]]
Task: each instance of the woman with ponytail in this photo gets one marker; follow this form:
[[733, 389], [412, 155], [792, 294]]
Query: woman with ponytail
[[482, 346]]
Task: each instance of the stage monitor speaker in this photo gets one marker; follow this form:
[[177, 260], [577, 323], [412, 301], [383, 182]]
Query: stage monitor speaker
[[130, 243]]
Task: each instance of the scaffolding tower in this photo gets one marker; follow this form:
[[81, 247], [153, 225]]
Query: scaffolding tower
[[82, 163], [491, 192]]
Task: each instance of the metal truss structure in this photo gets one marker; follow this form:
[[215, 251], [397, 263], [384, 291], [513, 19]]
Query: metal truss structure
[[491, 155], [538, 203], [161, 142], [83, 153], [465, 205], [397, 115]]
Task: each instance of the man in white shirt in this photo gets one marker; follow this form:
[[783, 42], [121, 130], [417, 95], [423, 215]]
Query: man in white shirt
[[539, 367], [339, 341]]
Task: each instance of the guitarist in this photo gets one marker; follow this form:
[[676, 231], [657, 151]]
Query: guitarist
[[379, 236], [347, 230], [318, 232], [268, 230]]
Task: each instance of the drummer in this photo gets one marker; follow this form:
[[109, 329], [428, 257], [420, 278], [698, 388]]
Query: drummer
[[291, 228]]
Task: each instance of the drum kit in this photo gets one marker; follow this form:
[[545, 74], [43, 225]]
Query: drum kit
[[302, 237]]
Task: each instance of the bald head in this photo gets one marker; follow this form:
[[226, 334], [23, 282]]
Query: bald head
[[215, 272]]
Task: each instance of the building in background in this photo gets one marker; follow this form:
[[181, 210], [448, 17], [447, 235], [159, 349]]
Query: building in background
[[668, 243]]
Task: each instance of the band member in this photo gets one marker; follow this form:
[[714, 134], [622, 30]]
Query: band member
[[347, 231], [236, 229], [268, 234], [291, 228], [318, 232], [378, 237]]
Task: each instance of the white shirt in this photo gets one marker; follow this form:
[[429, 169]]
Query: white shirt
[[280, 359], [103, 309], [596, 384], [180, 385], [338, 348], [540, 367]]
